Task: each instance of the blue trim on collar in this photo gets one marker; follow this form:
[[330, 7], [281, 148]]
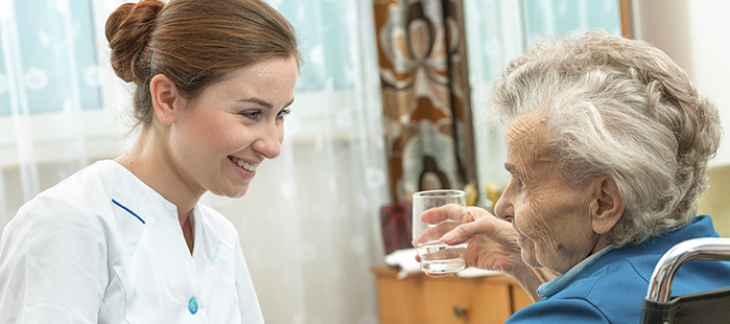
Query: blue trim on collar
[[127, 209], [553, 286]]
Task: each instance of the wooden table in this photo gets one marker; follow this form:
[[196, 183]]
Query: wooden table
[[420, 299]]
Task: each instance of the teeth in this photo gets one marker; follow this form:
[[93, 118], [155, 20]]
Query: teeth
[[243, 164]]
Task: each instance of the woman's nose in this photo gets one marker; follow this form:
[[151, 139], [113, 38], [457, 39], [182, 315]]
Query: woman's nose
[[268, 143], [504, 208]]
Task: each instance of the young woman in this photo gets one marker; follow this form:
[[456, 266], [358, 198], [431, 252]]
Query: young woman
[[125, 240]]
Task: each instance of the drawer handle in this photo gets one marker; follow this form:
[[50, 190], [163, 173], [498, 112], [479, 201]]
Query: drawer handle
[[459, 312]]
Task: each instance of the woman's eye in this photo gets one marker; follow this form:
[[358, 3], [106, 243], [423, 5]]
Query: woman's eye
[[253, 115], [518, 183], [282, 114]]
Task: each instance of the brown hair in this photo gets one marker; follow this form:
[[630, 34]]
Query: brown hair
[[192, 42]]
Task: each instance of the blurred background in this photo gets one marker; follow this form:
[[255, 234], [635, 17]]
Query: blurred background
[[393, 99]]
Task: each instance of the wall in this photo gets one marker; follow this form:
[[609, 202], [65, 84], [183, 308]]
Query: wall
[[692, 33]]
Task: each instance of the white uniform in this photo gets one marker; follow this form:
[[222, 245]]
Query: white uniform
[[103, 247]]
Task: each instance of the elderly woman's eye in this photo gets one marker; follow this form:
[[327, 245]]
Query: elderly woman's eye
[[517, 183]]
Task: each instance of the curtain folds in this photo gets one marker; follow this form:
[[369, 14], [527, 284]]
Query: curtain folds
[[425, 89], [48, 78]]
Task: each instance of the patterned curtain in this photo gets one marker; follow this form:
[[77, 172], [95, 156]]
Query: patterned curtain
[[425, 93]]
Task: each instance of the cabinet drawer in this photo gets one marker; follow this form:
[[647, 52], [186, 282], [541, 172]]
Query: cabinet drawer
[[449, 300]]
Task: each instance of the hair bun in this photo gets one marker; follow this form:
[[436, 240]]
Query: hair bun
[[128, 31]]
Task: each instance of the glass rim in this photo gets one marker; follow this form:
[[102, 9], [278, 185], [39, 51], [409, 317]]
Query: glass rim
[[440, 193]]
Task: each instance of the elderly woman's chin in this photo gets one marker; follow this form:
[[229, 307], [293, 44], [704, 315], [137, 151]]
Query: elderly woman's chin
[[535, 258], [528, 253], [556, 256]]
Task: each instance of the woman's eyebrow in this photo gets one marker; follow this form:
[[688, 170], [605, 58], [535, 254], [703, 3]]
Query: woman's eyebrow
[[290, 102], [257, 101], [512, 169], [264, 103]]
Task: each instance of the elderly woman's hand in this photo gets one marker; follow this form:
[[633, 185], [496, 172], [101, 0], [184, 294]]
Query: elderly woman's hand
[[492, 241], [492, 244]]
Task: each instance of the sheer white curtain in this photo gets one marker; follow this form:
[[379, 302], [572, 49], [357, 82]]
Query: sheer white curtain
[[58, 99], [309, 224]]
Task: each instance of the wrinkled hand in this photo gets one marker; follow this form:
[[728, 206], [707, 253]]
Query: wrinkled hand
[[492, 241]]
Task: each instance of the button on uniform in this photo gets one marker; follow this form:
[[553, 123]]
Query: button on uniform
[[193, 306]]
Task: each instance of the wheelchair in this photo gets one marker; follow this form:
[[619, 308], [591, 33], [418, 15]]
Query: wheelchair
[[707, 307]]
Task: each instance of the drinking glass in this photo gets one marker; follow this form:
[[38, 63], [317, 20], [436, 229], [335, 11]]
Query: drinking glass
[[437, 256]]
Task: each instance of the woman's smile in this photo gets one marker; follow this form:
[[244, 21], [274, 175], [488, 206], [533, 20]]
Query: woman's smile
[[241, 163], [247, 170]]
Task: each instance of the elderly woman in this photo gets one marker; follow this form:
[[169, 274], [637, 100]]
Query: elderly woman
[[607, 144]]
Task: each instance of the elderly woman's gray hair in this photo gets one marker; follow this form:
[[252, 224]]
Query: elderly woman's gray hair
[[622, 109]]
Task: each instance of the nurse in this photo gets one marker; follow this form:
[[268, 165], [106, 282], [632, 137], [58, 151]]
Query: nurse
[[125, 240]]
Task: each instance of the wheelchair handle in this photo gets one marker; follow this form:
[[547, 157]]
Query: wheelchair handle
[[660, 286]]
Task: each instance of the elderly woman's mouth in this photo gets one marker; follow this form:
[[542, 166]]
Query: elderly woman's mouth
[[520, 237]]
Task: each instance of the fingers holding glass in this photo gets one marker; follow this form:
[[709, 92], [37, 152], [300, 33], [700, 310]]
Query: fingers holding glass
[[434, 232], [430, 223], [453, 211]]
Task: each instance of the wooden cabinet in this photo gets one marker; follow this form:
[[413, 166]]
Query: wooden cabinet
[[422, 300]]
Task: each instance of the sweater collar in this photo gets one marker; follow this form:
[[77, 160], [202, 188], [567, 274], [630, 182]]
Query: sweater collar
[[701, 226], [553, 286]]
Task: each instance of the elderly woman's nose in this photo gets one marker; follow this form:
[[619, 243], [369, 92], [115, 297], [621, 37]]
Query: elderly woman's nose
[[504, 209]]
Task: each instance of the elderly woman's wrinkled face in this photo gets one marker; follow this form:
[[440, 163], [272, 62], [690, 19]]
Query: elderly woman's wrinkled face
[[550, 216]]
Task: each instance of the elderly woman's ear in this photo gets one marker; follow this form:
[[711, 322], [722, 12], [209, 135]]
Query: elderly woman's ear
[[605, 205]]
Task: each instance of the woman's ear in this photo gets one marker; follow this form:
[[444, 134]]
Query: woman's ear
[[166, 100], [606, 205]]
